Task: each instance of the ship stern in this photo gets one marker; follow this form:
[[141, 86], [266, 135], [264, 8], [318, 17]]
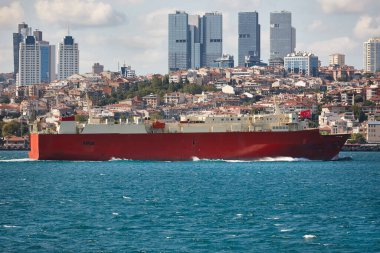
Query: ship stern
[[34, 152]]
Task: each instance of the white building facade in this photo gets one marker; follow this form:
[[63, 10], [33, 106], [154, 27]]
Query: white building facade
[[371, 55], [68, 58], [29, 62]]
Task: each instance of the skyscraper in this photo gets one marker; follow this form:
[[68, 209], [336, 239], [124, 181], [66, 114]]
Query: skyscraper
[[17, 39], [194, 41], [282, 35], [371, 55], [29, 62], [249, 39], [179, 41], [211, 39], [68, 58]]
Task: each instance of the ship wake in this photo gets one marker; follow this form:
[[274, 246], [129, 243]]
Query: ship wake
[[264, 159], [17, 160]]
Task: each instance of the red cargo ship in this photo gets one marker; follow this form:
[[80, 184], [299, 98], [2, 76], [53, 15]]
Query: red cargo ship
[[205, 137]]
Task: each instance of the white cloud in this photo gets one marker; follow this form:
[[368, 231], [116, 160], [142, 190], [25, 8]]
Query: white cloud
[[367, 26], [237, 5], [156, 22], [324, 48], [11, 14], [82, 12], [331, 6], [316, 25]]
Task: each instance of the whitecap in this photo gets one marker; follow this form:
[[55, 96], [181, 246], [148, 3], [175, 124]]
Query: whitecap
[[239, 215], [101, 174], [286, 230], [308, 237], [116, 214], [127, 198], [10, 226]]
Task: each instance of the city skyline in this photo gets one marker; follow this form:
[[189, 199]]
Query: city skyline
[[136, 32]]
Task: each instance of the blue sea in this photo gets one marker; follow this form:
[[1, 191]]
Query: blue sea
[[274, 205]]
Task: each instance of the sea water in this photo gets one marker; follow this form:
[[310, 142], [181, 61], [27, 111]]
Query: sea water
[[273, 205]]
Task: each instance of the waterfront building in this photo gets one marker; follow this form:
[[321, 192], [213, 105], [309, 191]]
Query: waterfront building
[[282, 34], [29, 62], [337, 59], [226, 61], [248, 39], [373, 132], [371, 55], [194, 41], [301, 63], [68, 58], [97, 68], [17, 39]]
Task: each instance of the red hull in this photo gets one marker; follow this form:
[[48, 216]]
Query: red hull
[[307, 144]]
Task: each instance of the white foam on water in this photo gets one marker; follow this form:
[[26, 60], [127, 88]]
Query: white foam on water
[[308, 237], [101, 174], [127, 198], [195, 159], [116, 214], [18, 160], [281, 159], [286, 230], [9, 226], [239, 215], [118, 159]]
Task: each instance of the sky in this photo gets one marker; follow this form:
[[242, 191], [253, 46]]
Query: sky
[[135, 32]]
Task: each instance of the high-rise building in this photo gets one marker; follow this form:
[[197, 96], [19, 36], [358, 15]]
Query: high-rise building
[[53, 63], [211, 38], [301, 63], [29, 62], [17, 39], [337, 59], [68, 58], [35, 55], [282, 35], [249, 39], [371, 55], [38, 35], [179, 41], [194, 41]]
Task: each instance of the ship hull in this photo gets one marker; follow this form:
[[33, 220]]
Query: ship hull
[[307, 144]]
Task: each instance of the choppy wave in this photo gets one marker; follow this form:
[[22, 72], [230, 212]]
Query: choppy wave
[[308, 237]]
